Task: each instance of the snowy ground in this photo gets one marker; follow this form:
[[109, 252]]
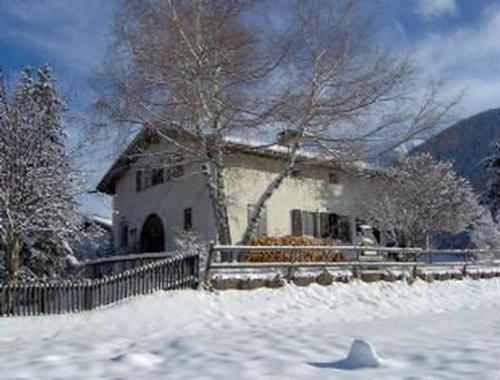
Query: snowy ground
[[444, 330]]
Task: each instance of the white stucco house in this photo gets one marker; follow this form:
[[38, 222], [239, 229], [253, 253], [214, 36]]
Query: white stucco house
[[152, 204]]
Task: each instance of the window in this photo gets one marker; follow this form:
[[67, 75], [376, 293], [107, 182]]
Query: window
[[138, 180], [321, 224], [344, 228], [333, 178], [147, 178], [188, 219], [168, 172], [179, 165], [261, 229], [157, 176], [124, 236]]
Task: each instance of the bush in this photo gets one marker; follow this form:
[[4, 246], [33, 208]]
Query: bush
[[290, 256]]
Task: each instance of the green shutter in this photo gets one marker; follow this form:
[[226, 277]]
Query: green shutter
[[296, 222]]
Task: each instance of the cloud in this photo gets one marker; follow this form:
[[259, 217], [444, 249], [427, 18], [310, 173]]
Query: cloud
[[430, 9], [466, 59], [74, 34]]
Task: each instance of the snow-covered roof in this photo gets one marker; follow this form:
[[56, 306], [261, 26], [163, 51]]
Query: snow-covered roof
[[104, 222], [235, 144]]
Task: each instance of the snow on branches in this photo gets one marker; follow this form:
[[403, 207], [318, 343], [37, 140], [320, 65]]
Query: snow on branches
[[36, 183], [492, 196], [318, 83], [421, 198]]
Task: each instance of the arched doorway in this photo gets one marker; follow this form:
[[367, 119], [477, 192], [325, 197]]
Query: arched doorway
[[152, 235]]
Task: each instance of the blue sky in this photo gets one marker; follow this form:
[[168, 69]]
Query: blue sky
[[454, 41]]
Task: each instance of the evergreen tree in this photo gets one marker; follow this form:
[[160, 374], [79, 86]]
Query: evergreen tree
[[36, 181]]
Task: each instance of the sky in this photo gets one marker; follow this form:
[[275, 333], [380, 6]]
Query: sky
[[454, 42]]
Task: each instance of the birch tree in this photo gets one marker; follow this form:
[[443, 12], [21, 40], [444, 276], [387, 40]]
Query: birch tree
[[321, 85], [189, 66], [35, 175], [420, 198], [347, 94]]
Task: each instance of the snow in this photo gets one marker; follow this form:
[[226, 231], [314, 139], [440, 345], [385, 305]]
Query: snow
[[107, 222], [441, 330], [362, 354]]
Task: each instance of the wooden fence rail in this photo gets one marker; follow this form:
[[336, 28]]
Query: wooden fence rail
[[71, 296], [227, 258]]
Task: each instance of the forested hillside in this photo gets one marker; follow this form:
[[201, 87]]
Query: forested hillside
[[466, 144]]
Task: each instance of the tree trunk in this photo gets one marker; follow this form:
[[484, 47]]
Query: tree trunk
[[427, 242], [266, 195], [12, 256], [225, 235], [12, 263], [218, 206]]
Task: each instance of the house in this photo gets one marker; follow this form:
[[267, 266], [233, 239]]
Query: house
[[153, 204]]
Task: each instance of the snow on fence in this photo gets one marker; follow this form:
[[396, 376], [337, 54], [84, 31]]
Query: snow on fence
[[356, 259], [70, 296]]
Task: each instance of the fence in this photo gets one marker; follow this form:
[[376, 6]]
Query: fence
[[107, 266], [87, 294], [356, 259]]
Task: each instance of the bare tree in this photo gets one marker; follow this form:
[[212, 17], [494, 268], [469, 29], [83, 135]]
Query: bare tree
[[347, 94], [205, 69], [36, 202], [421, 198], [190, 66]]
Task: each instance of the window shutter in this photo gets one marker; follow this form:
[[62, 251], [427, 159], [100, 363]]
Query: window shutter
[[324, 225], [188, 219], [308, 223], [262, 226], [138, 180], [124, 236], [333, 225], [296, 223], [344, 228], [316, 224]]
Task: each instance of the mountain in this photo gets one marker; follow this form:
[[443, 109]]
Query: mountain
[[466, 144]]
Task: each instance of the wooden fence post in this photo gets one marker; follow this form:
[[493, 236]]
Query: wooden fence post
[[206, 277], [464, 269]]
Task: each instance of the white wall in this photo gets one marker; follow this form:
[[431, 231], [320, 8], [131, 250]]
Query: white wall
[[248, 176], [167, 200]]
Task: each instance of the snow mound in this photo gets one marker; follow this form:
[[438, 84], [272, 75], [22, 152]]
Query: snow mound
[[142, 360], [362, 354]]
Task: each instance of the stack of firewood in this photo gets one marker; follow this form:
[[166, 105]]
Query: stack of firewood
[[290, 256]]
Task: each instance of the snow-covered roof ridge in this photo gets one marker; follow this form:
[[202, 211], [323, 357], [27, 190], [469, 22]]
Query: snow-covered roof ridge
[[261, 147], [105, 222]]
